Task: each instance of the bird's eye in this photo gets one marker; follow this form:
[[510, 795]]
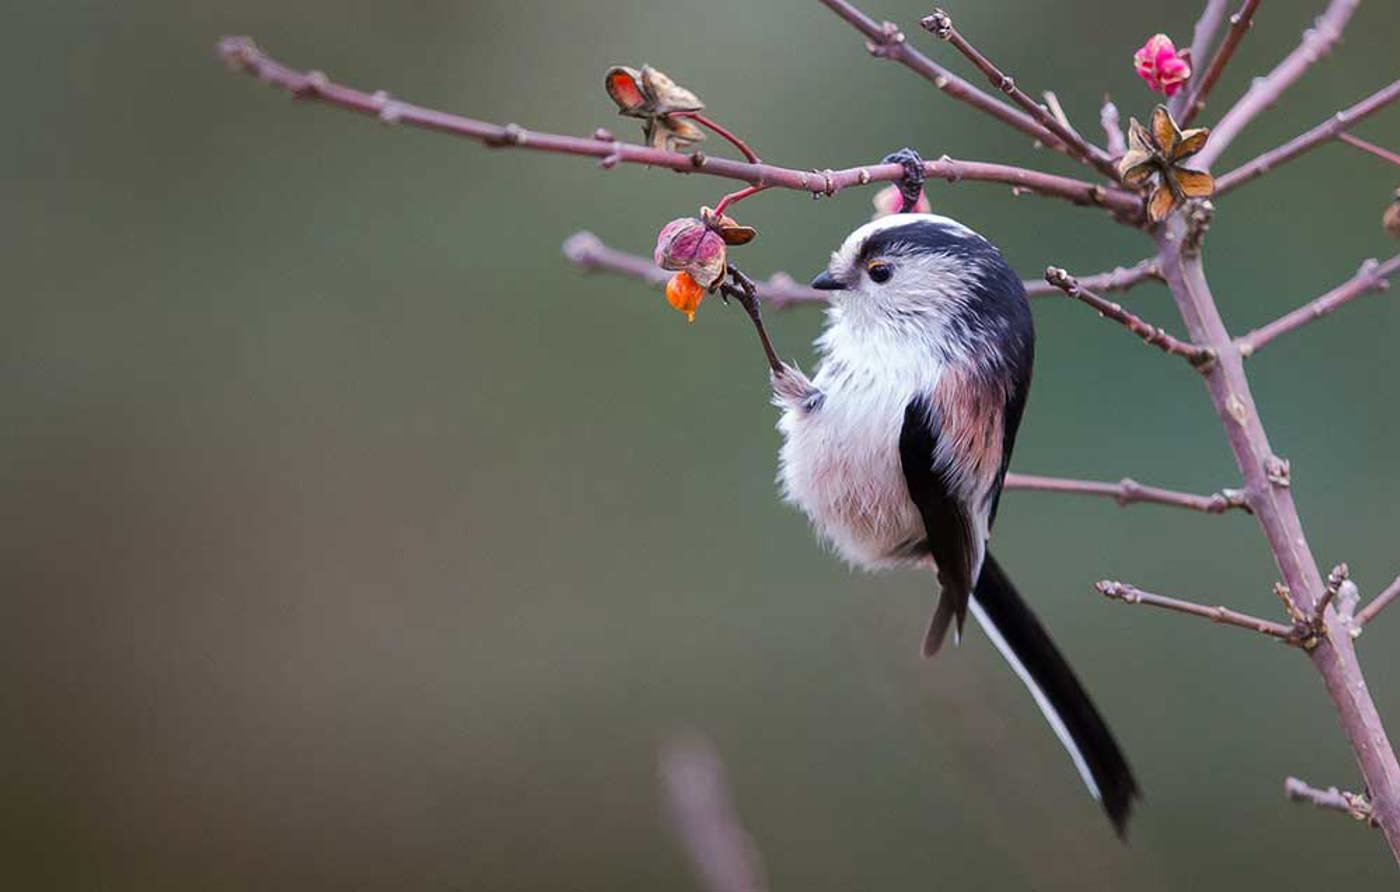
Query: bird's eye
[[879, 272]]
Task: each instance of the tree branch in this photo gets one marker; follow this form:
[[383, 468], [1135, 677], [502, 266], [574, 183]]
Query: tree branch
[[1240, 23], [1112, 126], [1120, 278], [1201, 37], [1199, 357], [1372, 276], [1128, 594], [1271, 497], [1378, 603], [241, 53], [940, 25], [703, 814], [1369, 148], [1353, 804], [1328, 129], [1317, 42], [1128, 492], [886, 41]]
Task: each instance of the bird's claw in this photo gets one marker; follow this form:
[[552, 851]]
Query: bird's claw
[[911, 186]]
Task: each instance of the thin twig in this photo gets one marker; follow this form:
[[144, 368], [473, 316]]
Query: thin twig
[[703, 815], [1372, 276], [940, 25], [1128, 594], [1378, 603], [1200, 357], [1052, 102], [1265, 91], [1240, 23], [1120, 278], [241, 53], [1128, 492], [1371, 148], [886, 41], [723, 133], [1207, 25], [1331, 128], [1112, 126], [1353, 804]]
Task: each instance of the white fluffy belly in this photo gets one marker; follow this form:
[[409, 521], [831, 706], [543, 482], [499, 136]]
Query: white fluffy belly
[[840, 464]]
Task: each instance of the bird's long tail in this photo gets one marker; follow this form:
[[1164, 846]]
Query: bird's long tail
[[1026, 645]]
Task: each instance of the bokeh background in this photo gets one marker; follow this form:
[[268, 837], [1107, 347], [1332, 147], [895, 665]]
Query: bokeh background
[[353, 539]]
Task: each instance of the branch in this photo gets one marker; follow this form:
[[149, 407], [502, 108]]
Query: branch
[[1264, 92], [1372, 276], [1206, 27], [1112, 128], [705, 819], [1128, 492], [1240, 23], [1120, 591], [886, 41], [241, 53], [1200, 357], [1378, 603], [1371, 148], [1120, 278], [1354, 804], [1271, 496], [940, 25], [1328, 129]]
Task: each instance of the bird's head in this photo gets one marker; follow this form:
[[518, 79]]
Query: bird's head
[[919, 269]]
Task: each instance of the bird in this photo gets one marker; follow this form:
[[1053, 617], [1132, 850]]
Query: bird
[[896, 449]]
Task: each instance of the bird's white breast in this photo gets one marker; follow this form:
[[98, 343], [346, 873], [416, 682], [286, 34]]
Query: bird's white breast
[[840, 461]]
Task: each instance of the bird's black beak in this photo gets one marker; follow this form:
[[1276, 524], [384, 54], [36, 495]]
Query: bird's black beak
[[828, 282]]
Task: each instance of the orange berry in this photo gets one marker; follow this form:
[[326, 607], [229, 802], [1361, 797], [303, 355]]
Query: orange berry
[[685, 294]]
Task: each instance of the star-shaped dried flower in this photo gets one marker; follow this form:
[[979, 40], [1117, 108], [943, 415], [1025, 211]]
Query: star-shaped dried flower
[[1160, 64], [1159, 152], [659, 102]]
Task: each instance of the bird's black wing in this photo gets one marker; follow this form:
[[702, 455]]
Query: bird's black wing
[[950, 531]]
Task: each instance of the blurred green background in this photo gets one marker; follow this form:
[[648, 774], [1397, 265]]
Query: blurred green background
[[353, 539]]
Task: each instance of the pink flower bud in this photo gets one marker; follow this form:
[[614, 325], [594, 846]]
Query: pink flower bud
[[889, 200], [1159, 63], [688, 245]]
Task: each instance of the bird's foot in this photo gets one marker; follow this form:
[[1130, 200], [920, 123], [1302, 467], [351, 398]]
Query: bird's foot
[[911, 186]]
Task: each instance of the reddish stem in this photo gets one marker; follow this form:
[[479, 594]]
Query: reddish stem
[[735, 198], [723, 133]]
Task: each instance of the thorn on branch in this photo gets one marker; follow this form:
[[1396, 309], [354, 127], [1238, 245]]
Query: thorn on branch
[[1357, 805]]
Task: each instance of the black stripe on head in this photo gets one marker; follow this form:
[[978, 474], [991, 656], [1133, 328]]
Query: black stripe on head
[[924, 237]]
